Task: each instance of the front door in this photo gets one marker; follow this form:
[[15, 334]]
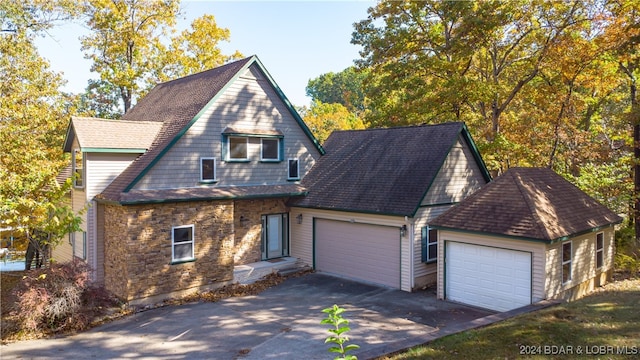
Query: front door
[[275, 237]]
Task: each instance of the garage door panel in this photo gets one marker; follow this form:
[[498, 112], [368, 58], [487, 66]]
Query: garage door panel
[[489, 277], [360, 251]]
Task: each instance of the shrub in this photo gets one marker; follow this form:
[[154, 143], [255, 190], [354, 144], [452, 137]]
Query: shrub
[[58, 298], [627, 257]]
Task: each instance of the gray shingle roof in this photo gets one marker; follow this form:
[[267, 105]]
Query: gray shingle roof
[[386, 171], [533, 203]]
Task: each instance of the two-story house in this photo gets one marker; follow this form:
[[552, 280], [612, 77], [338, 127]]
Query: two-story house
[[216, 172], [192, 181]]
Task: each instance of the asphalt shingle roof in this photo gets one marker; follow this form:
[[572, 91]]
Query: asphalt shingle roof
[[112, 134], [533, 203], [386, 171], [174, 103]]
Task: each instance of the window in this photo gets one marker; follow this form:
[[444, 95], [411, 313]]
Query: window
[[294, 169], [78, 168], [182, 243], [599, 250], [270, 149], [429, 244], [208, 169], [566, 262], [79, 249], [238, 148]]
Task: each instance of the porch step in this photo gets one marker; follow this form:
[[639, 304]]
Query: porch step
[[250, 273]]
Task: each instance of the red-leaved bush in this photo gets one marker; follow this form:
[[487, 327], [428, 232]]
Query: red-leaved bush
[[58, 298]]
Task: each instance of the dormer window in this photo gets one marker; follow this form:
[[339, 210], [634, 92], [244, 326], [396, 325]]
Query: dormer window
[[78, 168], [238, 148], [270, 149]]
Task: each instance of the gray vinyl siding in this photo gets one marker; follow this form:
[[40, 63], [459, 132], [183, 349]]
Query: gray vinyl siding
[[459, 177], [248, 103], [422, 219]]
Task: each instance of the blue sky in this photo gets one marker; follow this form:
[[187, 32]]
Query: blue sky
[[295, 40]]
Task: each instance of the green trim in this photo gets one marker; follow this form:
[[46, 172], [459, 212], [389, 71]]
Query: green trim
[[253, 60], [208, 198], [290, 107], [188, 126], [464, 132], [182, 261], [353, 211], [251, 135], [68, 138], [114, 150], [313, 243], [503, 236], [237, 161], [206, 182], [584, 232], [439, 204]]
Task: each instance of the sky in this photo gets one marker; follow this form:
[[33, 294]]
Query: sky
[[295, 40]]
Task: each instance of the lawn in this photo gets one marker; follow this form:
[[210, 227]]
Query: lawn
[[605, 324]]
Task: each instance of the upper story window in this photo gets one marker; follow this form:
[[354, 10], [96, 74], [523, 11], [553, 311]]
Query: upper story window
[[238, 148], [208, 169], [77, 162], [270, 149], [293, 169]]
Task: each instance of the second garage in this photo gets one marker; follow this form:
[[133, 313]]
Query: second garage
[[359, 251], [489, 277]]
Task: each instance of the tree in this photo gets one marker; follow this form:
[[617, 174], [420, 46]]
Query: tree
[[100, 99], [322, 119], [126, 40], [132, 47], [433, 61], [32, 126], [345, 87]]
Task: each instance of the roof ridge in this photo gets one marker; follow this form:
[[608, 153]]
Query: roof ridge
[[531, 206], [117, 120], [447, 123]]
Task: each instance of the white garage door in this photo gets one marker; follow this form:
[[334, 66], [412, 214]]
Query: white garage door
[[488, 277], [358, 251]]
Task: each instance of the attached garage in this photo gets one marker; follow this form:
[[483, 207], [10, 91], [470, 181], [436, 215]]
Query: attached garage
[[488, 277], [358, 251]]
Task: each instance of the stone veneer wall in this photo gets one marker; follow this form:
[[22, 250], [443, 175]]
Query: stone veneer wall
[[248, 226], [138, 248]]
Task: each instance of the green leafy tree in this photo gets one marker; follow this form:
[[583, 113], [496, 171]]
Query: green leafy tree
[[100, 99], [125, 42], [322, 119], [133, 46], [32, 126], [345, 88]]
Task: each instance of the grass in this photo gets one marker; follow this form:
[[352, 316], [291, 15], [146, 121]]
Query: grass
[[597, 326]]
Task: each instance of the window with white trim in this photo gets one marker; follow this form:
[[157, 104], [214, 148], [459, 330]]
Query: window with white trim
[[293, 172], [270, 149], [567, 256], [599, 250], [429, 244], [182, 243], [208, 169], [238, 148], [77, 163]]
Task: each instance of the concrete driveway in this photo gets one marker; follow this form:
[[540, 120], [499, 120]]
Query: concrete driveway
[[281, 323]]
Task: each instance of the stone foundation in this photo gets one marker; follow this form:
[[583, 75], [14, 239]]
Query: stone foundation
[[137, 245]]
